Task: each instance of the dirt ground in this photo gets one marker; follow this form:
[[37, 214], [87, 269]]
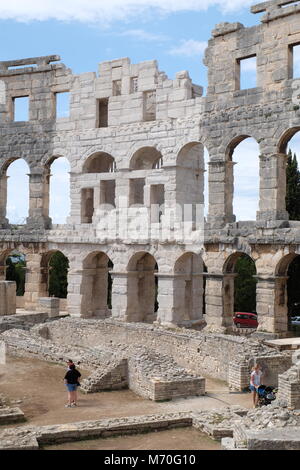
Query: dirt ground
[[38, 389]]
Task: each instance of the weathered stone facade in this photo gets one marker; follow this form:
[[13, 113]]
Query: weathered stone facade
[[134, 136]]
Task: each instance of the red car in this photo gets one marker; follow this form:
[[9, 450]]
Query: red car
[[246, 320]]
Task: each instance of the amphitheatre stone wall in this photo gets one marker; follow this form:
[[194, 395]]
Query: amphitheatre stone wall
[[135, 141]]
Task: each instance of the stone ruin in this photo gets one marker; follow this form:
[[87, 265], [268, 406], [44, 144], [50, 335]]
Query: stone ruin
[[135, 142]]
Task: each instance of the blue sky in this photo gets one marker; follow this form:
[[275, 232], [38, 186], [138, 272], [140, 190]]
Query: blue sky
[[86, 32]]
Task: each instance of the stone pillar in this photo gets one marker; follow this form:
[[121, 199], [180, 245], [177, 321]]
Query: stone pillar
[[33, 281], [39, 200], [272, 201], [4, 223], [94, 283], [75, 276], [49, 305], [219, 294], [121, 299], [180, 299], [271, 304], [220, 193], [8, 291]]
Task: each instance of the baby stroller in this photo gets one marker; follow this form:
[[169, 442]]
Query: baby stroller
[[266, 395]]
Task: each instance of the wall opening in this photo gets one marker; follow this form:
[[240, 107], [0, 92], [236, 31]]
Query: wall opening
[[188, 301], [62, 101], [293, 177], [150, 105], [117, 87], [108, 193], [157, 201], [288, 295], [21, 109], [18, 192], [102, 113], [87, 205], [136, 192], [59, 191], [293, 294], [96, 287], [146, 158], [239, 286], [143, 285], [100, 162], [16, 270], [246, 179], [246, 73], [294, 61]]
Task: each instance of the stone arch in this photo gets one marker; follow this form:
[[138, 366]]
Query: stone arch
[[188, 291], [286, 137], [54, 277], [146, 158], [96, 286], [286, 292], [233, 279], [142, 288], [237, 176], [15, 205], [99, 162], [57, 188]]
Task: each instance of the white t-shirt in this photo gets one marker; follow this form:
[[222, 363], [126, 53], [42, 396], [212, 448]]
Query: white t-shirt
[[256, 378]]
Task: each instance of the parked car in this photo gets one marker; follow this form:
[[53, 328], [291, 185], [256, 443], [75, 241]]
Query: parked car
[[245, 320], [295, 321]]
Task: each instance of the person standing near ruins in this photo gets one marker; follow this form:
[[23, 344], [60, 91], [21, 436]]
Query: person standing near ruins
[[71, 382], [255, 383]]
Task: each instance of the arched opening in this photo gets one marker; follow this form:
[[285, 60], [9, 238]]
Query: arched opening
[[146, 158], [240, 287], [16, 270], [143, 288], [54, 277], [100, 162], [17, 204], [244, 153], [290, 145], [288, 293], [188, 301], [59, 192], [96, 288]]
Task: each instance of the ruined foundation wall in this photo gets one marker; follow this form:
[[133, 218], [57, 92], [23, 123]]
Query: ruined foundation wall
[[204, 354]]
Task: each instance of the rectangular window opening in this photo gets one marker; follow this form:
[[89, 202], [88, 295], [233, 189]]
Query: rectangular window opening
[[62, 105], [21, 108], [294, 61], [134, 85], [136, 196], [150, 105], [108, 193], [157, 200], [102, 113], [247, 73], [117, 87], [87, 205]]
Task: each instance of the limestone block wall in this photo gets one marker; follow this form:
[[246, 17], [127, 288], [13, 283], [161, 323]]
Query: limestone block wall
[[203, 354], [289, 387]]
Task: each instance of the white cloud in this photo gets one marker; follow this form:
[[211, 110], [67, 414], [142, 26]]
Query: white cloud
[[189, 48], [104, 11], [144, 35]]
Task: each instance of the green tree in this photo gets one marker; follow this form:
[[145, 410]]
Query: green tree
[[293, 187], [245, 285], [58, 275], [15, 271]]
